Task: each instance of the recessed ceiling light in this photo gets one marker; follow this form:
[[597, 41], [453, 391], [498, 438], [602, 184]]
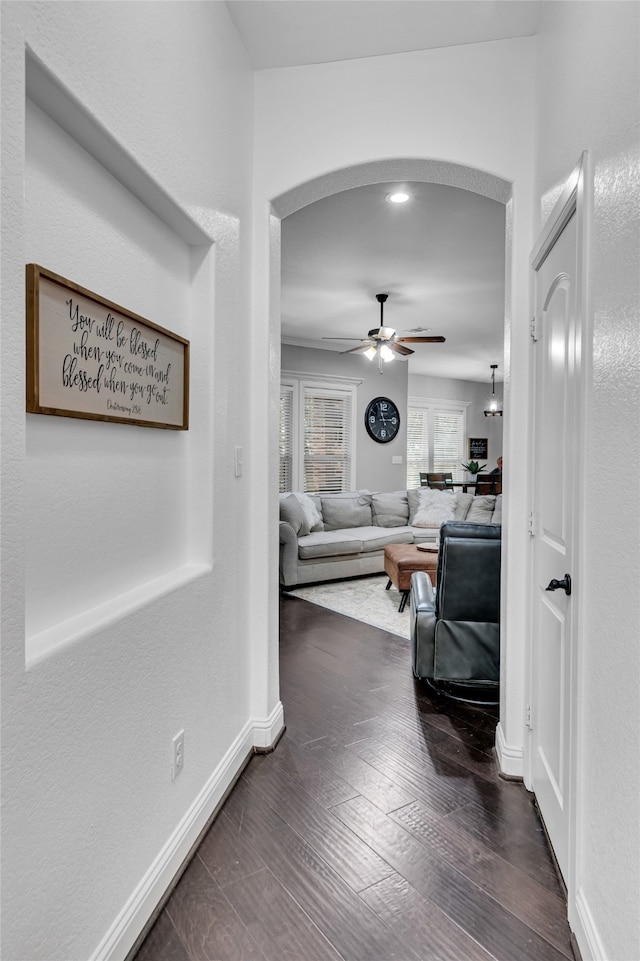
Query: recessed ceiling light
[[397, 197]]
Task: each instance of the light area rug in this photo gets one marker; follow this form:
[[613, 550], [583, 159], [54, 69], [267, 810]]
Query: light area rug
[[365, 599]]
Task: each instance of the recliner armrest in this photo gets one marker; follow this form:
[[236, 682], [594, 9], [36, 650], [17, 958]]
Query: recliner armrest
[[423, 624], [423, 596]]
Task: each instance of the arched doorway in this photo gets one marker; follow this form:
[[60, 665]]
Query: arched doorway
[[386, 171]]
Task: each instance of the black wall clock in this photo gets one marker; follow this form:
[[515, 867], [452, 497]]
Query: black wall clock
[[382, 419]]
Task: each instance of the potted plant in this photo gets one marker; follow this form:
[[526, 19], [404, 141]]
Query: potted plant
[[473, 467]]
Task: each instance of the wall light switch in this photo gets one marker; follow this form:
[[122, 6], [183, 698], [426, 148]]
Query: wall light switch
[[396, 459], [238, 461], [177, 762]]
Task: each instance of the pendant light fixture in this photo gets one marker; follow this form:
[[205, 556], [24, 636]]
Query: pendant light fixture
[[494, 409]]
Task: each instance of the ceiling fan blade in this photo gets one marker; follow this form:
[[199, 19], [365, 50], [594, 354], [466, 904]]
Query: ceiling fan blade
[[421, 340], [399, 349], [354, 350]]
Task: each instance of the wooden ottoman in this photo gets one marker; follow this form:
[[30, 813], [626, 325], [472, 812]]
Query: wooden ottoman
[[401, 560]]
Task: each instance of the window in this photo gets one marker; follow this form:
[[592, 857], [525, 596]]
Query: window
[[436, 430], [417, 444], [286, 437], [448, 441], [327, 440], [317, 435]]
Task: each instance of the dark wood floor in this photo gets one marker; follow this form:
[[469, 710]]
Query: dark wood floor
[[378, 830]]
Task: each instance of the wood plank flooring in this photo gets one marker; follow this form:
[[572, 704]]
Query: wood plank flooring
[[378, 830]]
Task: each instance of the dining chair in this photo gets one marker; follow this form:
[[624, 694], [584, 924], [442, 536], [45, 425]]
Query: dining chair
[[438, 480], [491, 484]]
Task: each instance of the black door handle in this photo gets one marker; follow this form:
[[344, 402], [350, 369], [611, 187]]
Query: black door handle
[[564, 584]]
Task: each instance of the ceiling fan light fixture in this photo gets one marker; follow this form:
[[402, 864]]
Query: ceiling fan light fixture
[[384, 344], [398, 197]]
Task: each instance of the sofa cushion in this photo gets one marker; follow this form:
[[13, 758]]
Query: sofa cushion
[[481, 511], [291, 511], [434, 508], [390, 510], [377, 538], [422, 534], [340, 511], [328, 544], [497, 514]]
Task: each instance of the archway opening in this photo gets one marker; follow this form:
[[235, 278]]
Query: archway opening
[[386, 172]]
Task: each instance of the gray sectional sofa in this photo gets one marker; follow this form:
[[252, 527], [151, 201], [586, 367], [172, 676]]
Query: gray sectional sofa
[[332, 536]]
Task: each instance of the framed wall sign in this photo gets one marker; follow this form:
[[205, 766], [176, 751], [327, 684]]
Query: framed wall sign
[[478, 448], [88, 357]]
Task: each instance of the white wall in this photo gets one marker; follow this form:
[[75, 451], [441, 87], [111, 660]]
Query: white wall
[[477, 396], [588, 98], [469, 106], [374, 467], [124, 548]]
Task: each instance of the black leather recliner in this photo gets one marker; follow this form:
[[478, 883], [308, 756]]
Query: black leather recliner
[[455, 629]]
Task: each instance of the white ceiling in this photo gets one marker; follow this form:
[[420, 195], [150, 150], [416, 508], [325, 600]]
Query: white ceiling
[[287, 33], [441, 256]]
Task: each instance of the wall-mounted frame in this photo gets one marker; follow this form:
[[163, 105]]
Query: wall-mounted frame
[[88, 357], [478, 448]]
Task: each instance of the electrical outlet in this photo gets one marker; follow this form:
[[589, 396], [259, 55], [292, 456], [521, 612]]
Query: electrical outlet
[[177, 757], [396, 459]]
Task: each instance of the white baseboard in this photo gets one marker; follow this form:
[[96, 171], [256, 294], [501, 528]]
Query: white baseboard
[[510, 759], [585, 931], [126, 928], [267, 732]]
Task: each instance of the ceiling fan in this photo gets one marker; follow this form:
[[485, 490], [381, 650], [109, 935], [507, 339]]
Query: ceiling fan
[[383, 342]]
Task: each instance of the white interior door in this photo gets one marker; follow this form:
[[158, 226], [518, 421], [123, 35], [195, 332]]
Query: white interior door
[[557, 362]]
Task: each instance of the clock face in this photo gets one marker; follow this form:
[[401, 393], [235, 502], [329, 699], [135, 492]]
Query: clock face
[[382, 420]]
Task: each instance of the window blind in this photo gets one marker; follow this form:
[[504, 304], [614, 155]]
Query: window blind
[[417, 444], [448, 441], [327, 440], [286, 438]]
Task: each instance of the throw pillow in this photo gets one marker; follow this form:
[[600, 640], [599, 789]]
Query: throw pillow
[[292, 513], [413, 499], [435, 508], [310, 511], [318, 505]]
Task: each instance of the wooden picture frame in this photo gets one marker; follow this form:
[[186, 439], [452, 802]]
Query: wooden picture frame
[[88, 357], [478, 448]]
